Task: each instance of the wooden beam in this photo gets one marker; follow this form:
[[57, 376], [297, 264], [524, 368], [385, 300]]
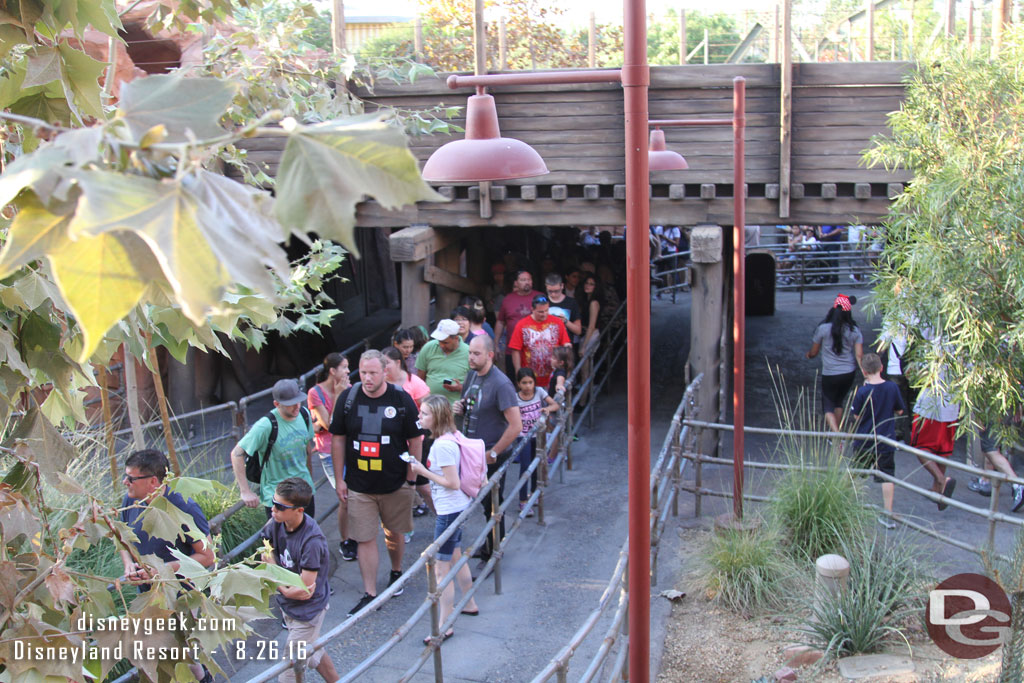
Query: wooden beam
[[446, 297], [682, 36], [417, 243], [441, 277], [786, 108], [741, 50]]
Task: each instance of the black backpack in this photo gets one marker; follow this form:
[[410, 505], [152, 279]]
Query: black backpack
[[254, 462], [351, 398]]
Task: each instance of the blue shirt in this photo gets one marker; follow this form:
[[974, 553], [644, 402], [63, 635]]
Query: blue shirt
[[876, 406], [161, 547]]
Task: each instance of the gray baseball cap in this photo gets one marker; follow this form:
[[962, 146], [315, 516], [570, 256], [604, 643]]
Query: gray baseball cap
[[286, 392]]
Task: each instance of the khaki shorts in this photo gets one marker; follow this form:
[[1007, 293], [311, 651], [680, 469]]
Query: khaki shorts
[[306, 631], [367, 512]]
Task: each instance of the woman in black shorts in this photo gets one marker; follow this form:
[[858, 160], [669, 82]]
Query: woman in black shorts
[[841, 344]]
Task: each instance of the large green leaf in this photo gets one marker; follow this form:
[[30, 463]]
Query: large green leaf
[[187, 107], [241, 229], [327, 168], [9, 37], [31, 169], [100, 14], [12, 78], [38, 103], [102, 278], [23, 13], [42, 66], [80, 77], [164, 215], [33, 233], [49, 449]]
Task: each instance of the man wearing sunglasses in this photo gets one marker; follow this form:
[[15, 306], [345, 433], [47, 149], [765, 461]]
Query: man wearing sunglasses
[[534, 339], [144, 473], [300, 546]]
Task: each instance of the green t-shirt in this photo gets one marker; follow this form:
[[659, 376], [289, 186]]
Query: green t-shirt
[[440, 366], [287, 458]]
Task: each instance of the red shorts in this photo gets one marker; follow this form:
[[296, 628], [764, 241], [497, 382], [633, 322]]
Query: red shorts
[[933, 436]]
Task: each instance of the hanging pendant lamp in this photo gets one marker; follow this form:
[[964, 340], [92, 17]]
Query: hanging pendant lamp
[[659, 158], [483, 154]]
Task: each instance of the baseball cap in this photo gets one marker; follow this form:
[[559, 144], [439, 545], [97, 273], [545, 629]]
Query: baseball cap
[[446, 328], [286, 392]]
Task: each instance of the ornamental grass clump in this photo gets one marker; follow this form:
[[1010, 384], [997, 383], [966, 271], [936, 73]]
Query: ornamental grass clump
[[885, 593], [744, 571], [817, 503]]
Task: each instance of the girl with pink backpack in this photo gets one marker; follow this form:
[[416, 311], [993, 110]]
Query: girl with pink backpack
[[443, 471]]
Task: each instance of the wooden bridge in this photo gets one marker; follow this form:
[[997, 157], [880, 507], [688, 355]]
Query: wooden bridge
[[578, 130]]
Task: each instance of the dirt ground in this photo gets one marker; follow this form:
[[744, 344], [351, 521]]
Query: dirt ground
[[708, 643]]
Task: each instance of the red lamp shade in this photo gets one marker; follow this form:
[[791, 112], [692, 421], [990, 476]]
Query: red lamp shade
[[483, 154], [661, 159]]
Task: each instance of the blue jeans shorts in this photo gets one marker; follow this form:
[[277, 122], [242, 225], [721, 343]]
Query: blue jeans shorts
[[454, 541]]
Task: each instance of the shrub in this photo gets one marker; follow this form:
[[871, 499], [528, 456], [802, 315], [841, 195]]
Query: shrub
[[744, 571], [239, 526], [886, 588]]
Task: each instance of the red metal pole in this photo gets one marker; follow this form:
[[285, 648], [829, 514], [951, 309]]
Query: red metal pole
[[739, 326], [635, 81]]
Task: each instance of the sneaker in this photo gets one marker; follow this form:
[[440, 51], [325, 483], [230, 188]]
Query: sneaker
[[1018, 497], [981, 486], [363, 602], [395, 576], [420, 510], [409, 535], [886, 522], [284, 624], [349, 550]]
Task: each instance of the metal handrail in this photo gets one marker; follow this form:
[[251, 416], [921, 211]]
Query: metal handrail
[[560, 435], [991, 514], [668, 467]]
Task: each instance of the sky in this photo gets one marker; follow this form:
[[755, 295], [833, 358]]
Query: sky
[[577, 11]]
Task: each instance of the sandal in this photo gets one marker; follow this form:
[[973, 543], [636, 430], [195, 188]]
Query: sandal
[[947, 491], [428, 639]]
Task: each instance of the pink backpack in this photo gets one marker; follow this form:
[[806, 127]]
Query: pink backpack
[[472, 462]]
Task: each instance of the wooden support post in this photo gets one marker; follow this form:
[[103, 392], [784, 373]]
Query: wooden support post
[[862, 190], [1000, 20], [447, 259], [479, 39], [417, 39], [705, 46], [773, 47], [869, 52], [707, 315], [415, 294], [165, 417], [592, 192], [108, 426], [682, 36], [828, 190], [338, 26], [677, 191], [559, 192], [502, 45], [592, 42], [528, 193], [970, 27], [707, 190], [951, 18], [786, 108]]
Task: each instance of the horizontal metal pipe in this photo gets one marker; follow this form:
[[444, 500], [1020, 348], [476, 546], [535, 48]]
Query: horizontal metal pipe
[[688, 123], [537, 78]]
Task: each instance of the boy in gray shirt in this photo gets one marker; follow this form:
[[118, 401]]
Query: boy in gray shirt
[[300, 546]]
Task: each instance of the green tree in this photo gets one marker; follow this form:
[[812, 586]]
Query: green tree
[[115, 231], [954, 253], [663, 37]]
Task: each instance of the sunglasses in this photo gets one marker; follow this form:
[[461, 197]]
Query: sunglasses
[[131, 480], [284, 506], [540, 300]]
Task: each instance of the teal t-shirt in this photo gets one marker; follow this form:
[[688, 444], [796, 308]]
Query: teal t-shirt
[[288, 457], [440, 366]]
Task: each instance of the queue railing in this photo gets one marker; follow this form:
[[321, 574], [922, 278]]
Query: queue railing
[[554, 435], [991, 514], [670, 273], [666, 486]]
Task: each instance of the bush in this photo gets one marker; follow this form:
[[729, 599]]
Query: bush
[[744, 571], [886, 589], [239, 526]]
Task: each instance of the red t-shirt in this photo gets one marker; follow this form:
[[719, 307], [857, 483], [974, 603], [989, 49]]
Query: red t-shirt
[[515, 307], [537, 341]]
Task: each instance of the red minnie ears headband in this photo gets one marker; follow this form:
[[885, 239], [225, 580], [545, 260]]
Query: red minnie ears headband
[[842, 301]]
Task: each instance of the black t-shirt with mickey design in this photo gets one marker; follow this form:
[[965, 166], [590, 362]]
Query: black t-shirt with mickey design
[[376, 432]]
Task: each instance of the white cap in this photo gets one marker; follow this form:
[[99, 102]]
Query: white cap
[[446, 328]]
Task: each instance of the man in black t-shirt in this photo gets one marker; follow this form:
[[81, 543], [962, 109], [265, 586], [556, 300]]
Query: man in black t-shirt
[[370, 433], [565, 307]]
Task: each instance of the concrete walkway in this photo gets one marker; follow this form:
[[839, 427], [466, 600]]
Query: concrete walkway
[[552, 575]]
